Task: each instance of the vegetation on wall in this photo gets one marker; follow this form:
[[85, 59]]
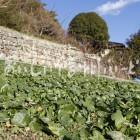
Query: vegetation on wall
[[90, 29], [121, 57], [30, 16], [134, 43], [125, 57]]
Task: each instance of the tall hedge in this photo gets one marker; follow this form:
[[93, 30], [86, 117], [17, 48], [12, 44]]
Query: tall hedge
[[89, 27]]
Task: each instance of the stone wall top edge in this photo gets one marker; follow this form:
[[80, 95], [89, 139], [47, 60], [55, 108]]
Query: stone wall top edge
[[33, 38]]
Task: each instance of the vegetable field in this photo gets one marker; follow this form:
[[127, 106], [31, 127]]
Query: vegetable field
[[59, 106]]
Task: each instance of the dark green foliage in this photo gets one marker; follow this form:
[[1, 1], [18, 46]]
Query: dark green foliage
[[134, 43], [73, 108], [89, 27]]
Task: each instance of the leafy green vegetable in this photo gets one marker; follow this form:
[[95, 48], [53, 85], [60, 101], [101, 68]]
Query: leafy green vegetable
[[63, 107], [4, 117], [21, 119], [118, 118], [116, 135]]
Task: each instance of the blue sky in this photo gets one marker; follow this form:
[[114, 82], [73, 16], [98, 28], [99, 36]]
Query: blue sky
[[122, 16]]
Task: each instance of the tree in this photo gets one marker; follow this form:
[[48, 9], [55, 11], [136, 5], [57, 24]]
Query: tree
[[89, 28], [134, 43], [30, 16]]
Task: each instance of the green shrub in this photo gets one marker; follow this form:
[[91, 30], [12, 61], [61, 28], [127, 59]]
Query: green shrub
[[89, 28]]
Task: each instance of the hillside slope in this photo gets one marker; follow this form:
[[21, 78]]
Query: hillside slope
[[31, 17]]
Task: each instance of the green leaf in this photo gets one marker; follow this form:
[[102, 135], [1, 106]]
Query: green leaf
[[137, 109], [138, 138], [118, 118], [84, 134], [57, 129], [65, 119], [35, 126], [21, 119], [89, 104], [68, 108], [117, 135], [4, 117], [80, 119], [45, 119], [97, 136]]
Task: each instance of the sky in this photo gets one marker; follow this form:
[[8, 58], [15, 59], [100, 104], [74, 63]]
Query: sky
[[122, 16]]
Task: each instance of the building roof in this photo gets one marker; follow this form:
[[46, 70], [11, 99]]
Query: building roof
[[116, 45]]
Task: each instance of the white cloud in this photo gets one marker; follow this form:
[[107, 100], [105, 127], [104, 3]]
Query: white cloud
[[114, 7]]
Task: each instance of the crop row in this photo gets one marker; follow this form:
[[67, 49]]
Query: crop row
[[69, 107]]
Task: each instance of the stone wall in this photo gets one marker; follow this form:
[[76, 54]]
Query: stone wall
[[15, 46]]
